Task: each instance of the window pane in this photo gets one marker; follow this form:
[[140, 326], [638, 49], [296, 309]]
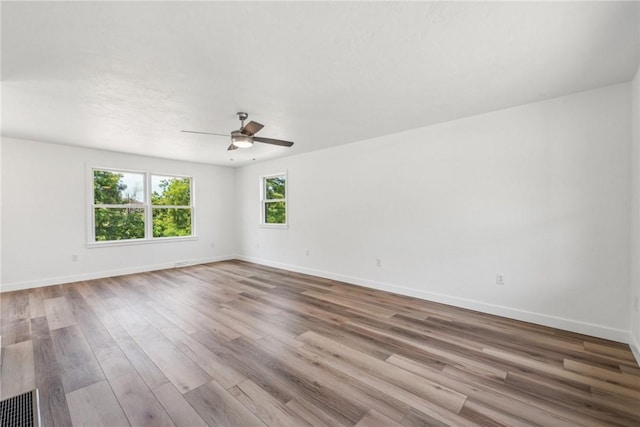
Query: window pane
[[275, 213], [274, 187], [119, 224], [118, 188], [170, 191], [168, 222]]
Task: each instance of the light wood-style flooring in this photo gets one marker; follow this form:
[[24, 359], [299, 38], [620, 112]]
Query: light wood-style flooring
[[237, 344]]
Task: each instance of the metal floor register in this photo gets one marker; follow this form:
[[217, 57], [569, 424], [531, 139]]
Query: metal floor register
[[22, 410]]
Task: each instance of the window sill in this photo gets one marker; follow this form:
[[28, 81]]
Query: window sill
[[280, 226], [92, 245]]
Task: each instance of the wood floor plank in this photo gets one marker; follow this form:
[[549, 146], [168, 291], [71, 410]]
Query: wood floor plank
[[235, 343], [486, 415], [36, 303], [175, 365], [490, 392], [374, 418], [59, 314], [15, 305], [604, 410], [520, 403], [615, 351], [466, 361], [53, 402], [603, 374], [139, 404], [15, 331], [182, 414], [625, 369], [562, 373], [223, 316], [94, 331], [95, 405], [350, 303], [299, 359], [208, 361], [416, 418], [217, 407], [79, 367], [148, 370], [371, 378], [266, 408], [18, 369], [620, 407], [175, 316], [114, 363], [285, 382], [446, 398], [311, 414]]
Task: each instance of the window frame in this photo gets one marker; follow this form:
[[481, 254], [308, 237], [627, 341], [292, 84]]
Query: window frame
[[147, 208], [264, 201]]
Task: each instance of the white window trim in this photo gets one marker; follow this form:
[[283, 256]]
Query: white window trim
[[147, 208], [263, 201]]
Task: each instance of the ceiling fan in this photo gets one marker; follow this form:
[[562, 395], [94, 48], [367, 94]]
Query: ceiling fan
[[245, 136]]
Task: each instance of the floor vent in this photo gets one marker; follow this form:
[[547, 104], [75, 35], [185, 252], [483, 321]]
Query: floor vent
[[22, 410]]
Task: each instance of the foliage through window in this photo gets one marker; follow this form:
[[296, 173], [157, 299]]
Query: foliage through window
[[171, 204], [135, 205], [274, 200]]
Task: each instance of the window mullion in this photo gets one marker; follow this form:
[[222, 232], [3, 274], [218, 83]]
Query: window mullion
[[148, 210]]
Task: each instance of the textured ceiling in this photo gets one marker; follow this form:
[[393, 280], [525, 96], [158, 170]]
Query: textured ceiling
[[128, 76]]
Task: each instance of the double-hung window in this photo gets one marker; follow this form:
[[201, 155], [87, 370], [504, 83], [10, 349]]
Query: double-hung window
[[171, 206], [274, 200], [139, 206]]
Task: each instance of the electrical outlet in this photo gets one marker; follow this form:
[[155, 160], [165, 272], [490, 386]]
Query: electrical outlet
[[308, 252], [378, 262], [500, 279], [74, 257], [213, 245], [635, 304]]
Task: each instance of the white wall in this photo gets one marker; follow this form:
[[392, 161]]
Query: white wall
[[539, 193], [44, 214], [0, 211], [635, 216]]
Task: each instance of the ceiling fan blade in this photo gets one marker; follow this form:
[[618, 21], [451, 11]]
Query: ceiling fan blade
[[251, 128], [273, 141], [232, 147], [205, 133]]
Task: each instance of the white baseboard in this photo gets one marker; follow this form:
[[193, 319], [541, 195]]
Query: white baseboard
[[635, 347], [586, 328], [108, 273]]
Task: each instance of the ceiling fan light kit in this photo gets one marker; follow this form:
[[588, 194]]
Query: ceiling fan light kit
[[244, 137], [241, 141]]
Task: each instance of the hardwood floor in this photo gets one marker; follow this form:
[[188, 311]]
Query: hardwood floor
[[237, 344]]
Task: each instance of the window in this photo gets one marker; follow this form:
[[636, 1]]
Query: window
[[140, 206], [274, 200], [171, 206]]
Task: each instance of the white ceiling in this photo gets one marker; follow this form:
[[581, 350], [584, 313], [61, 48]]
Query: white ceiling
[[128, 76]]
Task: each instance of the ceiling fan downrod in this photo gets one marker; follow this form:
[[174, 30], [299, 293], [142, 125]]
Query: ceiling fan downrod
[[242, 116]]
